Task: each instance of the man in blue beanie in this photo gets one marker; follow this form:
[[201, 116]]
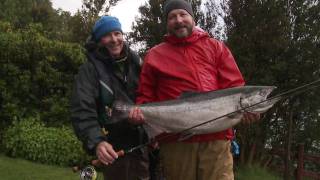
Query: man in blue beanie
[[111, 73]]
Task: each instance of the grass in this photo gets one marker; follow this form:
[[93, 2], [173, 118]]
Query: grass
[[254, 173], [13, 169]]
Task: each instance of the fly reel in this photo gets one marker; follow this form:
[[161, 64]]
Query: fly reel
[[88, 173]]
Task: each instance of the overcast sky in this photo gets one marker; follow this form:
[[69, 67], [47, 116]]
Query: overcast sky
[[125, 10]]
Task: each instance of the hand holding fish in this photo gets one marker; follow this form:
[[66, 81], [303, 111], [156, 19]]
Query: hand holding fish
[[136, 116], [105, 153], [249, 118]]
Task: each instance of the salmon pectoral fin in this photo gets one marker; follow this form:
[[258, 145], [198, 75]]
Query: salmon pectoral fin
[[185, 135]]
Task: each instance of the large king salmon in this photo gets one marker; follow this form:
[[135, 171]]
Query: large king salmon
[[191, 109]]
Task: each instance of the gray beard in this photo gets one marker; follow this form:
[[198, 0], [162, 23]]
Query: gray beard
[[182, 35]]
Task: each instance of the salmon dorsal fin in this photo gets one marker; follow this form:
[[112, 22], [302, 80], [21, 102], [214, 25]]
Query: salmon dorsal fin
[[188, 94]]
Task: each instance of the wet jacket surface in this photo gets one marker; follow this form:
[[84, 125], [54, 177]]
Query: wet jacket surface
[[87, 105], [195, 63]]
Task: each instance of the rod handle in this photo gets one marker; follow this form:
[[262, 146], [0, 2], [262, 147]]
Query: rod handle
[[98, 163]]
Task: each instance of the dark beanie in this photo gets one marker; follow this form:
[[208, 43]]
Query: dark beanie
[[105, 25], [176, 4]]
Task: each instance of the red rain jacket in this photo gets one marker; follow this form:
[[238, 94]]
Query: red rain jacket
[[195, 63]]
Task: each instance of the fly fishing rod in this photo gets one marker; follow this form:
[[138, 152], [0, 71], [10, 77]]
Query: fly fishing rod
[[283, 95]]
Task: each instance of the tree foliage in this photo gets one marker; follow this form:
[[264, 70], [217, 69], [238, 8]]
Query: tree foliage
[[148, 29], [32, 140], [83, 21], [276, 43], [22, 12], [36, 74]]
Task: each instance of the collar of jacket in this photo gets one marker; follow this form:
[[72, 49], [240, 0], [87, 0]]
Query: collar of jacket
[[195, 36]]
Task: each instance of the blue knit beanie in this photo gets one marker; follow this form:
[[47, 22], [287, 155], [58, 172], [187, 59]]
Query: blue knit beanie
[[105, 25]]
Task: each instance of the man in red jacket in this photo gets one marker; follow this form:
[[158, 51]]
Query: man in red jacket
[[189, 60]]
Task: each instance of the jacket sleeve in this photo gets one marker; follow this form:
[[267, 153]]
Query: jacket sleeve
[[229, 74], [147, 83], [84, 114]]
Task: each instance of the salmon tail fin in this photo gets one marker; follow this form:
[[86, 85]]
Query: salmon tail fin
[[120, 111]]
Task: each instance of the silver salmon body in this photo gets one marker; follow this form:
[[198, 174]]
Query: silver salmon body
[[194, 108]]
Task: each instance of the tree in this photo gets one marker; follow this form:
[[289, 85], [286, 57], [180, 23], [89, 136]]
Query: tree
[[211, 20], [23, 12], [36, 75], [55, 23], [273, 42], [83, 21], [148, 29]]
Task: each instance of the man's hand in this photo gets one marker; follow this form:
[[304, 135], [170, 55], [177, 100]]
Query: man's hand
[[249, 118], [136, 116], [106, 153], [154, 145]]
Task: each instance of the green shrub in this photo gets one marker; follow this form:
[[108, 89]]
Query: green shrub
[[37, 74], [31, 140]]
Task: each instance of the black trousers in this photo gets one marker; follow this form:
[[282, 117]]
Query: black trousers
[[131, 166]]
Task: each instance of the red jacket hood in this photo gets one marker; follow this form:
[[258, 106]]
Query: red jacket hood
[[195, 36]]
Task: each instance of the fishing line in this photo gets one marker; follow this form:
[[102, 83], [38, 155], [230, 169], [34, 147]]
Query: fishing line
[[283, 95]]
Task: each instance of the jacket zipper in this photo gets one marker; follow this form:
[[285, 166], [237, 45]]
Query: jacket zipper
[[193, 66]]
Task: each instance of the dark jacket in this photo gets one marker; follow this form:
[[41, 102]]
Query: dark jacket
[[98, 83]]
